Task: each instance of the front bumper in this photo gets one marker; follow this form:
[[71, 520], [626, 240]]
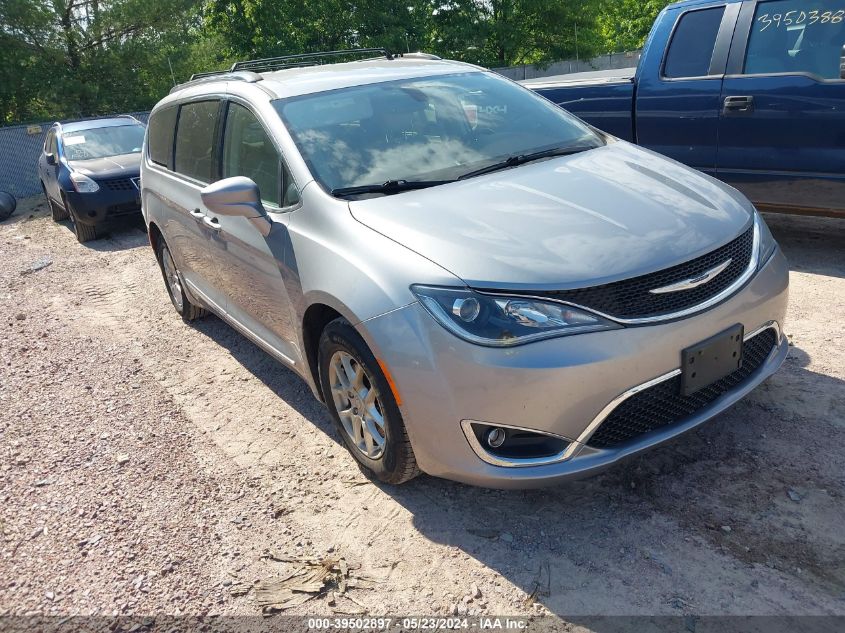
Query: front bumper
[[558, 386], [104, 206]]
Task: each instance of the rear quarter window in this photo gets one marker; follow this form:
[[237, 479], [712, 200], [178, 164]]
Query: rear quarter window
[[195, 139], [162, 127]]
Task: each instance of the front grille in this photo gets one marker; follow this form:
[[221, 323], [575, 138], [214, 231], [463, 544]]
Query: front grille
[[120, 184], [632, 299], [663, 404]]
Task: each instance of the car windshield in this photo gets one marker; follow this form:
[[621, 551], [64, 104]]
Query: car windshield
[[425, 129], [103, 142]]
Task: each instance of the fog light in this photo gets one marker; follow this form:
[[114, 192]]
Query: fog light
[[466, 310], [496, 437]]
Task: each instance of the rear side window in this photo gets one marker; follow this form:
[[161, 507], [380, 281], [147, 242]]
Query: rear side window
[[797, 36], [692, 44], [162, 126], [195, 133]]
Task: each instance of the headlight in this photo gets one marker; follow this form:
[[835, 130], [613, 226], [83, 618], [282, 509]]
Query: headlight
[[501, 321], [82, 183], [767, 240]]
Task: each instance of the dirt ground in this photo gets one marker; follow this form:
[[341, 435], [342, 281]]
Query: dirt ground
[[147, 466]]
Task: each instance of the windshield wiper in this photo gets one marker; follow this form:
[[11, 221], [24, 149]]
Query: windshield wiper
[[521, 159], [389, 187]]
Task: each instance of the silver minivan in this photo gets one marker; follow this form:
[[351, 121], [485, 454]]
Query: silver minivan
[[478, 285]]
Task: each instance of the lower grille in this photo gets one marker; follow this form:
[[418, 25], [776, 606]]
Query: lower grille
[[663, 404], [123, 209]]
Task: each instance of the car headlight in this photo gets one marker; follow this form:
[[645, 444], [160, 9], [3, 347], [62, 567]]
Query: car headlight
[[503, 321], [768, 244], [82, 183]]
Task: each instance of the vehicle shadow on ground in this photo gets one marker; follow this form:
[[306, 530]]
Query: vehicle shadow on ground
[[128, 234], [283, 382], [812, 245]]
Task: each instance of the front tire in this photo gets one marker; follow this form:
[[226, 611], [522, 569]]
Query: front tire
[[57, 212], [173, 282], [363, 407], [84, 232]]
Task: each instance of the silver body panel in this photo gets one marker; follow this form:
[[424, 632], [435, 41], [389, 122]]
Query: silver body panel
[[568, 222]]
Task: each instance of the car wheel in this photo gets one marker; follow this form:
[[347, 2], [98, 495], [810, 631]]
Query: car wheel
[[56, 211], [362, 405], [173, 282], [84, 232]]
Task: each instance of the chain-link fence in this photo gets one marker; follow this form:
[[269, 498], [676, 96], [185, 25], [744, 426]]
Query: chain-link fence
[[20, 147]]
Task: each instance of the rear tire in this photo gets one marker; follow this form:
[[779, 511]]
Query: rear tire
[[173, 283], [362, 406], [56, 211]]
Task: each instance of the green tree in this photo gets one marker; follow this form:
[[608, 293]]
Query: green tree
[[70, 58], [624, 25]]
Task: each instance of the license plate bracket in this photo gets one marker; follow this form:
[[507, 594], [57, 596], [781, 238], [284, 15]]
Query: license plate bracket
[[711, 360]]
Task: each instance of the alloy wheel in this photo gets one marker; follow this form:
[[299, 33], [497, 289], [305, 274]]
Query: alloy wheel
[[357, 404]]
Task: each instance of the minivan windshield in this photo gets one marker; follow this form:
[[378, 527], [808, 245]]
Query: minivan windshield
[[103, 142], [411, 133]]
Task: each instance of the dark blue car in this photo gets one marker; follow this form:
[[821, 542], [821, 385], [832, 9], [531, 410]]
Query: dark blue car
[[752, 92], [90, 172]]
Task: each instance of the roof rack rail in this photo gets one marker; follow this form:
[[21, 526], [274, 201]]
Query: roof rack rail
[[292, 61], [218, 75]]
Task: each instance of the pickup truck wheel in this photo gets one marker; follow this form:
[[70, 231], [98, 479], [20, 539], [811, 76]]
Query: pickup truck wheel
[[362, 406], [173, 282], [58, 213]]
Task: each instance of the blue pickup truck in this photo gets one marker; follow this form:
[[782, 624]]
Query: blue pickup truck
[[752, 92]]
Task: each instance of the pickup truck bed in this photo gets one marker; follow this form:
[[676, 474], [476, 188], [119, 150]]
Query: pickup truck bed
[[604, 98]]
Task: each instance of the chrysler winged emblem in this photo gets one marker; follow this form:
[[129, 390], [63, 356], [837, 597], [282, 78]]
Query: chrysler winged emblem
[[694, 282]]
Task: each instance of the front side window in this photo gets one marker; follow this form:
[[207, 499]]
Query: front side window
[[103, 142], [797, 36], [160, 133], [195, 140], [691, 49], [249, 151], [425, 129]]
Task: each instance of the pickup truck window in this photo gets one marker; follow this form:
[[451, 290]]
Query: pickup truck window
[[692, 44], [425, 129], [797, 36]]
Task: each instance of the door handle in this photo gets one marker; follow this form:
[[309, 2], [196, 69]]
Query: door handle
[[738, 105], [212, 223]]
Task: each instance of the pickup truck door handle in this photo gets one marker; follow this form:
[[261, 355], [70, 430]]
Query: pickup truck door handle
[[738, 105], [212, 223]]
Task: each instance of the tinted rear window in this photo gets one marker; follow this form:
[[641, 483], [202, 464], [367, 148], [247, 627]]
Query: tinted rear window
[[788, 36], [195, 139], [162, 126], [692, 44]]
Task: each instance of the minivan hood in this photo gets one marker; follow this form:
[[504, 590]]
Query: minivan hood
[[126, 165], [599, 216]]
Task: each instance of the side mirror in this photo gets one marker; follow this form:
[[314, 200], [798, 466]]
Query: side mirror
[[51, 159], [842, 64], [237, 197]]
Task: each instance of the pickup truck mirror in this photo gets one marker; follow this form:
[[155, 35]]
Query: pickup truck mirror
[[237, 197], [842, 64], [51, 159]]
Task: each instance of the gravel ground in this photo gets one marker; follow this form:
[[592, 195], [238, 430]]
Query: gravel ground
[[148, 466]]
